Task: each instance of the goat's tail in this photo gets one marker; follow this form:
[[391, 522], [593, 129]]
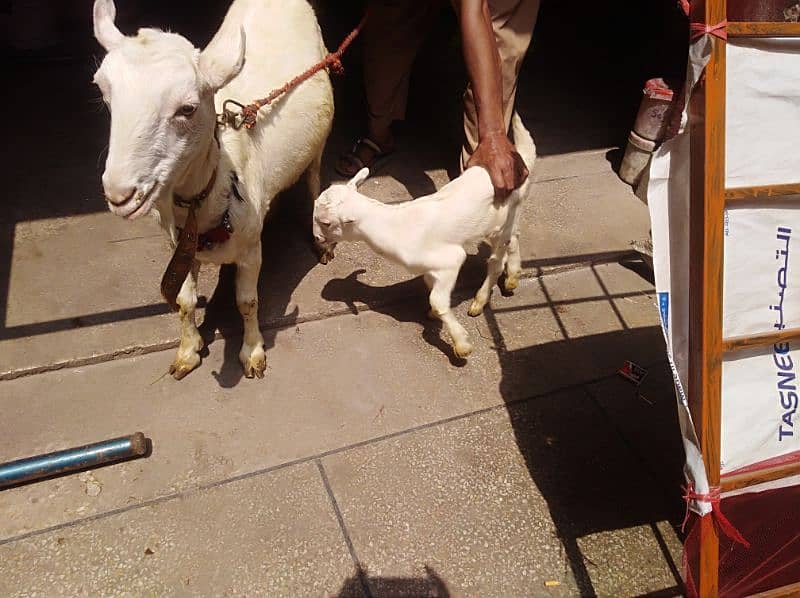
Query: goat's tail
[[523, 141]]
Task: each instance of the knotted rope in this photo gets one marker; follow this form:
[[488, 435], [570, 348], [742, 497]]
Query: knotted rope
[[714, 498], [698, 30], [333, 61]]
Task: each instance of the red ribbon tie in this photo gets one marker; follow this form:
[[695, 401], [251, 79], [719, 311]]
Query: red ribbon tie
[[713, 497], [719, 30]]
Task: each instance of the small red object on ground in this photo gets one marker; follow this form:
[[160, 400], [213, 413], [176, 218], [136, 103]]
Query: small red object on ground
[[633, 372]]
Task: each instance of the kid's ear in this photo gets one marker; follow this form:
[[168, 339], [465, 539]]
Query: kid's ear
[[360, 177], [105, 30]]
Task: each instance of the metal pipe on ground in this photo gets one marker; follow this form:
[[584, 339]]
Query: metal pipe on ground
[[74, 459]]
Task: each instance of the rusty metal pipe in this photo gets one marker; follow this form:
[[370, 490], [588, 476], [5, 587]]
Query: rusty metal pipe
[[74, 459]]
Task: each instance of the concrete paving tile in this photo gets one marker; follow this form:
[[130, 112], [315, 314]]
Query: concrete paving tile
[[500, 503], [46, 282], [574, 217], [571, 165], [270, 535], [636, 561], [568, 330], [598, 494]]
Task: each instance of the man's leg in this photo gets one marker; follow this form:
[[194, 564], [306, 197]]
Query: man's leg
[[513, 22], [393, 35]]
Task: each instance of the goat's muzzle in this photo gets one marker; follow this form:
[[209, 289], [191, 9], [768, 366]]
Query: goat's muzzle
[[324, 250], [119, 197], [136, 204]]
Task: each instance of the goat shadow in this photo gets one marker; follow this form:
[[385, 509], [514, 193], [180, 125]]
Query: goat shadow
[[407, 301]]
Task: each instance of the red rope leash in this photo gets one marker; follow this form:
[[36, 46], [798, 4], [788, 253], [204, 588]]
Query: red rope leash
[[332, 61], [714, 497]]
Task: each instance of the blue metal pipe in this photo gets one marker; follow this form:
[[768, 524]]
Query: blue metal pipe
[[82, 457]]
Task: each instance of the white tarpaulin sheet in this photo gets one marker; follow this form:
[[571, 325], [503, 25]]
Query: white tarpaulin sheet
[[762, 256]]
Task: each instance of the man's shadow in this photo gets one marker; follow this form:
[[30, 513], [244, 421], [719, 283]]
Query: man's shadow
[[361, 584]]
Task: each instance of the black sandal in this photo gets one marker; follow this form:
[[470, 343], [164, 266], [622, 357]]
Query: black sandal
[[349, 164]]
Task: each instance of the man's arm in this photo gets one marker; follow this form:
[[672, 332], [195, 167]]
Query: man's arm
[[494, 152]]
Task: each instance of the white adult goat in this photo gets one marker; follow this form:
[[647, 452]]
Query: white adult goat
[[429, 235], [164, 95]]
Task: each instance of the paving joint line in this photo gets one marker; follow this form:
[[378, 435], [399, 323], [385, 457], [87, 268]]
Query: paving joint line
[[307, 459], [281, 323], [343, 527]]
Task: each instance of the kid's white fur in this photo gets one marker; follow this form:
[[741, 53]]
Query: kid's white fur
[[429, 235]]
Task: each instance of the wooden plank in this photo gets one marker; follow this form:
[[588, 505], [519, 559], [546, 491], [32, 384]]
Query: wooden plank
[[752, 478], [735, 194], [762, 29], [738, 343], [706, 243], [790, 590]]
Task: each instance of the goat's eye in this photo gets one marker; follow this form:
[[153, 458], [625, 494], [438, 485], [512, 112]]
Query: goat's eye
[[186, 110], [325, 222]]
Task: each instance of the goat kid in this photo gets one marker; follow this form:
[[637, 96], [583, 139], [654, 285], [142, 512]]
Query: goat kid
[[429, 235], [164, 144]]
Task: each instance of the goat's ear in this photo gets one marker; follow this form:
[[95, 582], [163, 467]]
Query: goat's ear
[[105, 30], [360, 177], [220, 70]]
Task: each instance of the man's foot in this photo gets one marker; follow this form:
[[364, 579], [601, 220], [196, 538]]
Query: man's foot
[[365, 153]]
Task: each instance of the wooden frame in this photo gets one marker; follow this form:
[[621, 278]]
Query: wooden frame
[[707, 205]]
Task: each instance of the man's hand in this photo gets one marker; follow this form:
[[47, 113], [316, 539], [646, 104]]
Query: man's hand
[[494, 152], [505, 166]]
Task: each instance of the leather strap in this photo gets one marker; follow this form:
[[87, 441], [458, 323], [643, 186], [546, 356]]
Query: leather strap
[[181, 262]]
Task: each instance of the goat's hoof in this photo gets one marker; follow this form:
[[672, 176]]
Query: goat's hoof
[[510, 283], [475, 308], [254, 363], [462, 350], [184, 364]]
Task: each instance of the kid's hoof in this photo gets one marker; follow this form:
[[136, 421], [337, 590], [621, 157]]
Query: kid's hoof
[[255, 364], [475, 309], [510, 283], [462, 351]]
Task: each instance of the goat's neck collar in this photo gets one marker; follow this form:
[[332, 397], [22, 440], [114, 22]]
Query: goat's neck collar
[[196, 200], [185, 192]]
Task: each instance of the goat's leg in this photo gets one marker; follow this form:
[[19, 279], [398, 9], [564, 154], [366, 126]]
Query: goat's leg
[[429, 283], [494, 266], [188, 356], [312, 177], [443, 283], [252, 356], [313, 185], [513, 263]]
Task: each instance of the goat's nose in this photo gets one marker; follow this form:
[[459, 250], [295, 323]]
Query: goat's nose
[[119, 195], [117, 192]]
